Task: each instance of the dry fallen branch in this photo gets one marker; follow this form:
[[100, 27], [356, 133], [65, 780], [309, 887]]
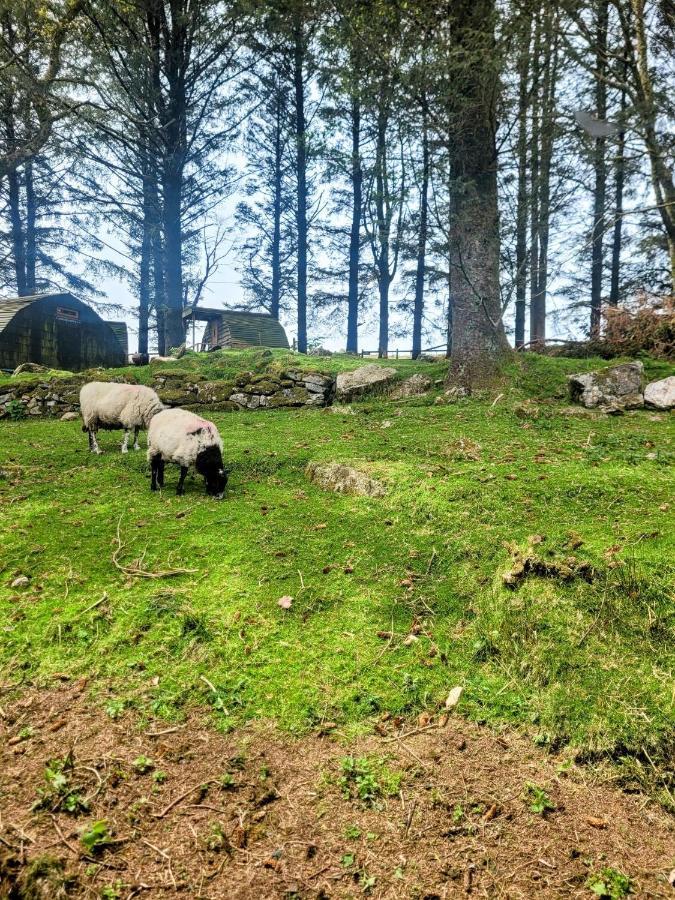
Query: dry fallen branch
[[165, 731], [167, 809], [134, 569]]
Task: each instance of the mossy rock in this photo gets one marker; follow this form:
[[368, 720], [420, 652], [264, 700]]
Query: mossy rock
[[25, 387], [173, 397], [242, 379], [262, 387], [107, 375], [215, 391], [288, 397], [265, 378], [224, 406]]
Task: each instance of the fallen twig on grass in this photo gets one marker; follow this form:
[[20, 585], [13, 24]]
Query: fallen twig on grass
[[93, 606], [63, 837], [409, 817], [164, 731], [134, 569], [196, 787], [407, 734]]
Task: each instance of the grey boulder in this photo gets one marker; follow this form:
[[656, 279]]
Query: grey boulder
[[661, 394], [611, 388], [363, 379]]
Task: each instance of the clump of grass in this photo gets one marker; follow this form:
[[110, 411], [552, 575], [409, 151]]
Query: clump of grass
[[61, 793], [368, 779], [538, 799], [96, 837], [609, 884], [143, 764]]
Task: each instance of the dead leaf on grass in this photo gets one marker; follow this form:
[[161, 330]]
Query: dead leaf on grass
[[492, 812]]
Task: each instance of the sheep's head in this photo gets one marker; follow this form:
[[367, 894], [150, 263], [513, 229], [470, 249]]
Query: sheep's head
[[209, 464]]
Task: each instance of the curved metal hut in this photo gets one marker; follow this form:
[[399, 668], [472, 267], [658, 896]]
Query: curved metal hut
[[59, 331], [235, 329]]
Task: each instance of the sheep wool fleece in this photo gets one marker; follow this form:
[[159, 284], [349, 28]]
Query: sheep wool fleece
[[179, 436], [118, 405]]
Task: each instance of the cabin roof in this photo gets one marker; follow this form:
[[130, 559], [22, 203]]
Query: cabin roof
[[10, 306], [246, 328]]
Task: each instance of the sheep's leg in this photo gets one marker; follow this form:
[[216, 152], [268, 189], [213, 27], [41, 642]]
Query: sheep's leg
[[125, 442], [183, 472], [157, 470], [93, 443], [137, 446]]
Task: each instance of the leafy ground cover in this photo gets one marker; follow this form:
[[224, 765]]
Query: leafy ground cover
[[101, 808], [394, 601]]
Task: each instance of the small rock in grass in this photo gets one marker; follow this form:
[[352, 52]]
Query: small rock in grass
[[69, 417], [343, 479], [411, 387], [21, 581]]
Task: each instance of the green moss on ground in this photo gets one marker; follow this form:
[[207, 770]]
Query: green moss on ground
[[588, 664]]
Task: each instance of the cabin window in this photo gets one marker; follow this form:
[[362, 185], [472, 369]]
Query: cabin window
[[63, 314]]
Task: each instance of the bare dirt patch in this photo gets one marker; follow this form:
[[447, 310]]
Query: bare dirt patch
[[445, 812]]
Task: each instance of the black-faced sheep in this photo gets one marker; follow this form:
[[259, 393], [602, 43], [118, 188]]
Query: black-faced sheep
[[108, 405], [181, 437]]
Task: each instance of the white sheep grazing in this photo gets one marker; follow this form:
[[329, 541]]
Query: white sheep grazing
[[179, 436], [108, 405]]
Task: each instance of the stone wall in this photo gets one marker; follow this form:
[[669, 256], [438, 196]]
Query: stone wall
[[246, 390], [56, 396]]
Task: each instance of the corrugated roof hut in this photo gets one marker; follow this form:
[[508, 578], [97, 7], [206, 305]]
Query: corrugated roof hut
[[56, 330], [234, 329]]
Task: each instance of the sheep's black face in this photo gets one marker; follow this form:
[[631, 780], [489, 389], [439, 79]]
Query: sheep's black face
[[209, 463]]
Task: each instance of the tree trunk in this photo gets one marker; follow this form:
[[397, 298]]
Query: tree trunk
[[421, 244], [174, 333], [301, 167], [31, 216], [448, 324], [383, 223], [16, 226], [662, 177], [159, 300], [600, 167], [521, 211], [276, 213], [619, 178], [535, 322], [144, 266], [355, 232], [547, 138], [478, 338]]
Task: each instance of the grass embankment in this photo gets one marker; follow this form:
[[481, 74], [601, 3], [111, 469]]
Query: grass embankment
[[225, 364], [395, 600]]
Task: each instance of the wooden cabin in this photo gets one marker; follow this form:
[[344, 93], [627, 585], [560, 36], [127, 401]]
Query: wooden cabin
[[234, 329], [59, 331]]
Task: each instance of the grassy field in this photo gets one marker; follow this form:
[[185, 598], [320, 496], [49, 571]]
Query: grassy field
[[394, 600]]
